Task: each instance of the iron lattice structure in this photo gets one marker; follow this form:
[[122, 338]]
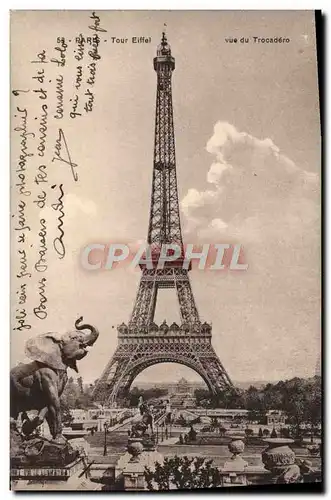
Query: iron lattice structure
[[142, 343]]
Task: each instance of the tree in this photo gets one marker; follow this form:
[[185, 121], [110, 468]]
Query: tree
[[272, 396], [147, 394], [254, 399], [314, 403], [295, 403], [80, 384], [192, 434], [183, 473], [284, 432], [202, 396], [249, 432], [71, 393], [260, 433], [230, 398], [76, 396], [256, 416], [66, 416], [273, 433]]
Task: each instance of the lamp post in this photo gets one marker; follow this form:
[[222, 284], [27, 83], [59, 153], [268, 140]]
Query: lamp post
[[105, 425]]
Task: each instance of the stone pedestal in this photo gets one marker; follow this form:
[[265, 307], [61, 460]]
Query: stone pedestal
[[236, 462], [47, 478], [233, 471], [133, 475], [141, 453]]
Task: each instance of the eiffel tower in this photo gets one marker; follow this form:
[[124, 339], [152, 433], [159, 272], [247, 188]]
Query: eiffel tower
[[143, 343]]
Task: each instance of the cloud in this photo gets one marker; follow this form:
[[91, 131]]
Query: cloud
[[256, 196], [256, 190], [197, 199], [216, 171]]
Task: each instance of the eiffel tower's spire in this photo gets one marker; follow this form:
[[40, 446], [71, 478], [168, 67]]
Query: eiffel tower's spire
[[164, 221]]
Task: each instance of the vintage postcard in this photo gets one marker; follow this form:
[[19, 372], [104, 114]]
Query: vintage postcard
[[165, 250]]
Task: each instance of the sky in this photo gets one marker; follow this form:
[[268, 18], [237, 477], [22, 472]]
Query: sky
[[248, 166]]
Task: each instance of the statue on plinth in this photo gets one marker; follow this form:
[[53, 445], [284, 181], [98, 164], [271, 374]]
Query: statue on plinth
[[139, 429], [38, 386]]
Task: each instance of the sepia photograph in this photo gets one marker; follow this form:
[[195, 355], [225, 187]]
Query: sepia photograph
[[165, 223]]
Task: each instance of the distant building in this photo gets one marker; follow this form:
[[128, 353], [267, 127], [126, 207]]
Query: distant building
[[184, 387], [223, 413], [275, 417], [78, 414]]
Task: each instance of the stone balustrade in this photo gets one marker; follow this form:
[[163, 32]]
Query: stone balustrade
[[278, 465]]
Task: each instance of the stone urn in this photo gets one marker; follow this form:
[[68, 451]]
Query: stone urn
[[236, 447], [135, 448], [279, 459]]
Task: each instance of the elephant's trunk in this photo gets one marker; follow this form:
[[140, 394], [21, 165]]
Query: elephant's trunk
[[91, 337]]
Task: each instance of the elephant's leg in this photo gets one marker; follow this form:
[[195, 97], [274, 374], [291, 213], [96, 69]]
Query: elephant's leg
[[53, 415], [30, 426], [54, 423]]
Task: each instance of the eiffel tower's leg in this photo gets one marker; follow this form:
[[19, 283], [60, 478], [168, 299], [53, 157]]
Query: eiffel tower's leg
[[106, 381], [144, 307], [201, 359], [215, 370], [107, 385], [188, 309]]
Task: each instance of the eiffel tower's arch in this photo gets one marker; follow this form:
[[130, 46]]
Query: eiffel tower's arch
[[141, 364]]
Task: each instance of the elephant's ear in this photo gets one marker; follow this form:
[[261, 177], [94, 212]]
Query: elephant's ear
[[45, 349]]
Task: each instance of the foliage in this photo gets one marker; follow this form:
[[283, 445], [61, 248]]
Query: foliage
[[273, 433], [80, 385], [147, 394], [284, 432], [256, 416], [228, 398], [249, 432], [202, 397], [260, 433], [300, 399], [192, 434], [76, 395], [66, 416], [183, 473]]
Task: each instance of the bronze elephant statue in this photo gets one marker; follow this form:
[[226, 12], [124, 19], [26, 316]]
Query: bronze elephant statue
[[38, 385]]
